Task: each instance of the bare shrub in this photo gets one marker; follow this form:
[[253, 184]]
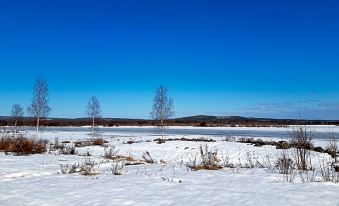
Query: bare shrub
[[118, 166], [301, 140], [56, 145], [209, 160], [252, 161], [22, 145], [328, 172], [285, 166], [227, 162], [86, 168], [268, 162], [307, 175], [332, 147], [111, 153], [70, 169]]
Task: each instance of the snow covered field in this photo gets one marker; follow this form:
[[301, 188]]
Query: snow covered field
[[37, 179]]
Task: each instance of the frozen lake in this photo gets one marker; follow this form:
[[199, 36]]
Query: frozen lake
[[319, 132]]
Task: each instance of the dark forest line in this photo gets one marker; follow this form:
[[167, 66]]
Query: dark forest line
[[198, 121]]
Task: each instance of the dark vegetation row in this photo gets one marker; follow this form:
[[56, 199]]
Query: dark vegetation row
[[173, 122]]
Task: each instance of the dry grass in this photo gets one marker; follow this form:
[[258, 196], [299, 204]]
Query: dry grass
[[206, 167], [86, 168], [118, 166], [285, 166], [98, 141], [22, 145], [209, 160], [111, 153]]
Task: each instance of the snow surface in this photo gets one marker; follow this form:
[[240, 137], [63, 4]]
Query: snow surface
[[36, 179]]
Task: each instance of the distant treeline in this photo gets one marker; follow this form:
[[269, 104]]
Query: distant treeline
[[173, 122]]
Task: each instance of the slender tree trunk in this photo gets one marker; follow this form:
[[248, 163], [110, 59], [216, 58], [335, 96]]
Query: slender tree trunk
[[162, 128], [15, 125], [37, 126], [93, 124]]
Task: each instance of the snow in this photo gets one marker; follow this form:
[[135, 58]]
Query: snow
[[36, 179]]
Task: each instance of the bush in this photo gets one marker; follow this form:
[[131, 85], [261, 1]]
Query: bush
[[118, 166], [301, 140], [86, 168], [22, 145], [332, 147], [209, 160], [285, 166], [111, 153], [328, 171], [56, 145]]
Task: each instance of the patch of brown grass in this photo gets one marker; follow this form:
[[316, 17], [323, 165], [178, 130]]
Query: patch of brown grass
[[205, 167], [22, 145], [98, 141]]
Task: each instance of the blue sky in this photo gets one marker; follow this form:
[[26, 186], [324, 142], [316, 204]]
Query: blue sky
[[251, 58]]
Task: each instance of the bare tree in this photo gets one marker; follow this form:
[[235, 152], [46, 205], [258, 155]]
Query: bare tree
[[93, 111], [163, 108], [17, 113], [39, 107]]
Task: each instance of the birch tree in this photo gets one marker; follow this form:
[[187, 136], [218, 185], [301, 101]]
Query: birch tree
[[163, 108], [39, 107], [17, 113], [93, 111]]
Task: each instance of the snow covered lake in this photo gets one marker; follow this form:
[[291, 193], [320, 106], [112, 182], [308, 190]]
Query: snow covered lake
[[38, 179], [319, 132]]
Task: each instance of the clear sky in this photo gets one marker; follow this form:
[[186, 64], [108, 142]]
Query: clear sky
[[252, 58]]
